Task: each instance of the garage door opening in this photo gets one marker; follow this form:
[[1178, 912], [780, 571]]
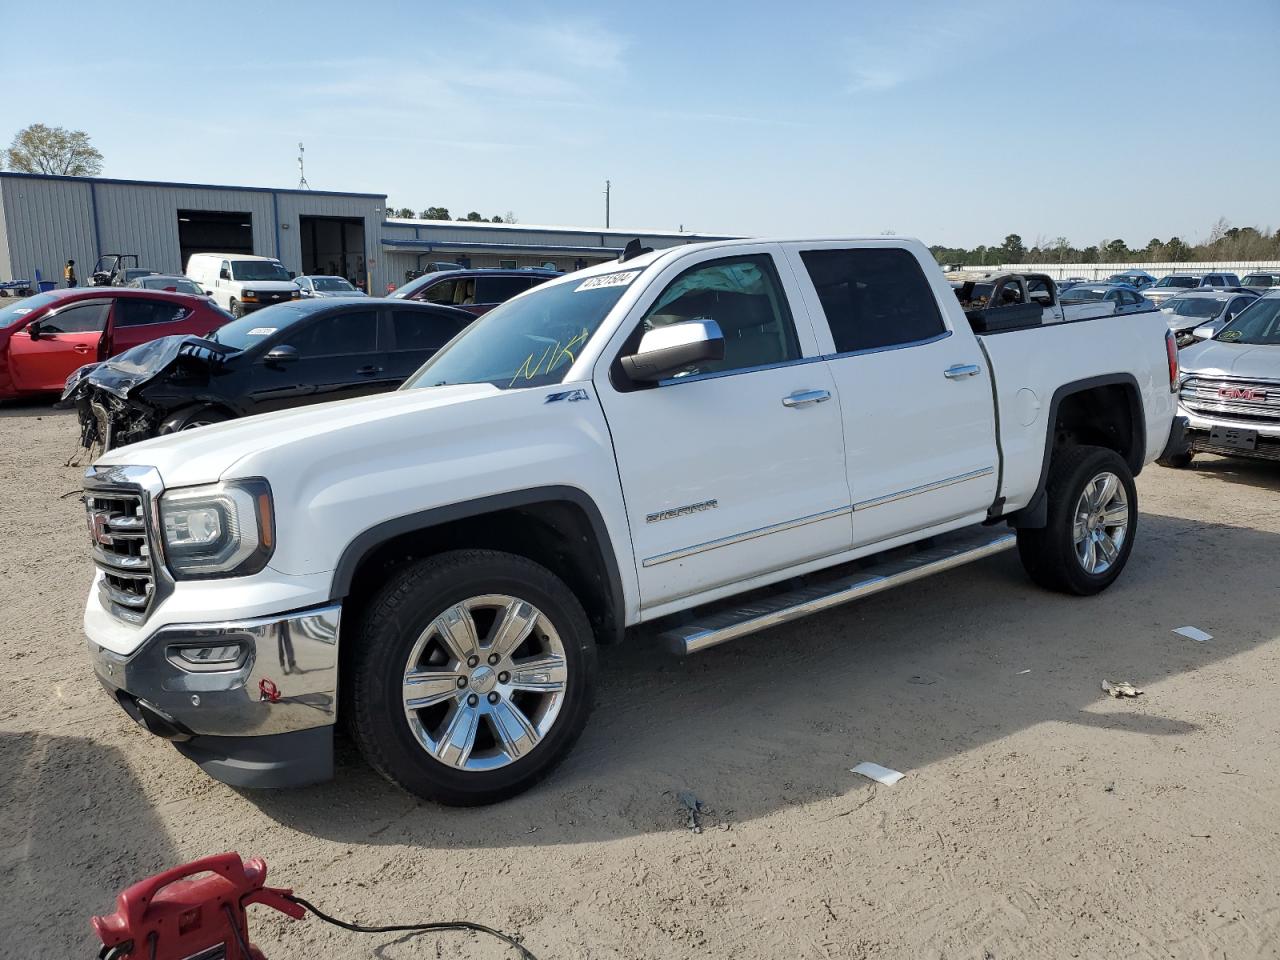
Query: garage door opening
[[213, 231], [333, 246]]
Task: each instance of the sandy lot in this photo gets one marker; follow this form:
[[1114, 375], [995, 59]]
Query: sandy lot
[[1038, 817]]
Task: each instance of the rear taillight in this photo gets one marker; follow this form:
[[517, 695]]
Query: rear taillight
[[1171, 348]]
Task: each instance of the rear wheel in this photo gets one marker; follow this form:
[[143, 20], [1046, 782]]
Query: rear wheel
[[473, 677], [193, 417], [1092, 520]]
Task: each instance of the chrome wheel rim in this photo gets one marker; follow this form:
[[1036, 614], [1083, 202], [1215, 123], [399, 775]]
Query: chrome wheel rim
[[1101, 523], [484, 682]]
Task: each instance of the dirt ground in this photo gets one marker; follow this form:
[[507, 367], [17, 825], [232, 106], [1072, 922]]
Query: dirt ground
[[1038, 817]]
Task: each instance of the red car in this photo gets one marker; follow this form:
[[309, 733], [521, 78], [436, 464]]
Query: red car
[[45, 338]]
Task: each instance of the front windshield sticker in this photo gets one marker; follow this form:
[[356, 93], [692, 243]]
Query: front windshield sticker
[[261, 332], [21, 310], [607, 280], [550, 358]]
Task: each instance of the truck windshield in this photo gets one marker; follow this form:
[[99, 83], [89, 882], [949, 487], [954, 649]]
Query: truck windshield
[[11, 314], [1177, 282], [258, 270], [1259, 324], [530, 341]]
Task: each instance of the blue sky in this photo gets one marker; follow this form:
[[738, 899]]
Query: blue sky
[[954, 122]]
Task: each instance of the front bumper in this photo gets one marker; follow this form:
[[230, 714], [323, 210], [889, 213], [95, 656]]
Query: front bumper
[[264, 720], [1199, 438]]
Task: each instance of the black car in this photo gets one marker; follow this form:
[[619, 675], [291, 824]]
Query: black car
[[476, 291], [287, 355]]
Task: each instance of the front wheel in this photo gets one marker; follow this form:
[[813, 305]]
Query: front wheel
[[237, 309], [473, 676], [1092, 520], [192, 418]]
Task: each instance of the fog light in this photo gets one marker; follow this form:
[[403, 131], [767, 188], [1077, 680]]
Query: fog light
[[214, 656]]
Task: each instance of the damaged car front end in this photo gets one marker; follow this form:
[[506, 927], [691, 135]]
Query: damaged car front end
[[115, 401]]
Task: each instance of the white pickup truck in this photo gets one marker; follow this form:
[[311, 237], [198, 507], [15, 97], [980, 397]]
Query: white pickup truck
[[691, 444]]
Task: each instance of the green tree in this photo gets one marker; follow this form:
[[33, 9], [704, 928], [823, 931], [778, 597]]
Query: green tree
[[1115, 250], [1013, 250], [436, 213], [473, 217], [56, 150], [403, 212]]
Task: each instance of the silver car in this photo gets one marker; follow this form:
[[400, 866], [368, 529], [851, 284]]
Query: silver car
[[1176, 283], [1206, 311], [1229, 391], [322, 287], [1125, 297]]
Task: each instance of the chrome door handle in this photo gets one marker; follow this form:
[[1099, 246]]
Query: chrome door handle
[[961, 370], [803, 398]]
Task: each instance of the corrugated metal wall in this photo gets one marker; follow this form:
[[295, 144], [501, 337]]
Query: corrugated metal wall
[[47, 223], [144, 220], [52, 219], [6, 269], [369, 209]]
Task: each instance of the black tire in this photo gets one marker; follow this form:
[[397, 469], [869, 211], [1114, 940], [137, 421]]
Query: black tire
[[1177, 461], [1049, 554], [237, 309], [400, 613], [193, 417]]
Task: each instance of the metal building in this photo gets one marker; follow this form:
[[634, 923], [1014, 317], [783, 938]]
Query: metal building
[[46, 220]]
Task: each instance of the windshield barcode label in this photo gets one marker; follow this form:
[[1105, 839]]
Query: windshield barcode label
[[607, 280]]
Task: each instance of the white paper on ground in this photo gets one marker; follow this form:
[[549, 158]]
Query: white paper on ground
[[1194, 633], [873, 771]]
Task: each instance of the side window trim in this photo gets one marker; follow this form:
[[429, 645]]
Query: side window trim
[[906, 345], [775, 275]]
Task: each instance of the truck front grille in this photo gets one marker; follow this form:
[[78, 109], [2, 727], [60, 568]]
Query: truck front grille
[[1256, 400], [119, 537]]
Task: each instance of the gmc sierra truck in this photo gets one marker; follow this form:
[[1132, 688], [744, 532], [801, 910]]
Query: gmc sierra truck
[[691, 445]]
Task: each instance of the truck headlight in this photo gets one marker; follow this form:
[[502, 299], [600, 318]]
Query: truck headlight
[[218, 530], [249, 295]]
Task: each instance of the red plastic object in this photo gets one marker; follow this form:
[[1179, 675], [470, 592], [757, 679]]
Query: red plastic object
[[183, 911]]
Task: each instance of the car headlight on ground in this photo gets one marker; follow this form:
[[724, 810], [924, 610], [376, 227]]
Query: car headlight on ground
[[218, 530]]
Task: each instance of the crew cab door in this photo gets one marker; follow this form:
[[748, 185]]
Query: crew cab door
[[734, 470], [337, 358], [919, 417], [69, 338], [413, 335]]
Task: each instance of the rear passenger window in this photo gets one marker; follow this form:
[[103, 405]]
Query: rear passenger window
[[499, 289], [336, 335], [745, 299], [140, 313], [873, 297], [424, 329], [441, 292]]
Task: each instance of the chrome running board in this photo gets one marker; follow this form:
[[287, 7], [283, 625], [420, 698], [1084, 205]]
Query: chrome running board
[[824, 591]]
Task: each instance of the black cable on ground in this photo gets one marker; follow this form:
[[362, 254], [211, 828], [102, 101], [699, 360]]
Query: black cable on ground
[[449, 925]]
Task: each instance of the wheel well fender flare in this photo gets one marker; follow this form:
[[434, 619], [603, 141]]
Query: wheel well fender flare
[[366, 542], [1034, 514]]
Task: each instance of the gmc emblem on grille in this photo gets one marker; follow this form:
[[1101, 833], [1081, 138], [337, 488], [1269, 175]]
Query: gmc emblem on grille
[[98, 528], [1241, 393]]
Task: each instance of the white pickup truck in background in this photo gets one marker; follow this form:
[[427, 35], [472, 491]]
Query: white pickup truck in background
[[1000, 300], [693, 444]]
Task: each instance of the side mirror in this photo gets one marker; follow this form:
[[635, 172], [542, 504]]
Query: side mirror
[[224, 274], [34, 330], [282, 354], [667, 350], [1204, 332]]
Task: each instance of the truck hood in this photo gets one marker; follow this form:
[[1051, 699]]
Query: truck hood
[[210, 453], [1252, 361]]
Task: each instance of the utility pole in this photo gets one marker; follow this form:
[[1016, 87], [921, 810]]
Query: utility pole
[[608, 187], [302, 173]]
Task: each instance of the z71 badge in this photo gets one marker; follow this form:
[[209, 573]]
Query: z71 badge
[[684, 511]]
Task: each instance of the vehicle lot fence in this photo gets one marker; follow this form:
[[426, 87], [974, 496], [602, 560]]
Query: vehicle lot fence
[[1098, 271]]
